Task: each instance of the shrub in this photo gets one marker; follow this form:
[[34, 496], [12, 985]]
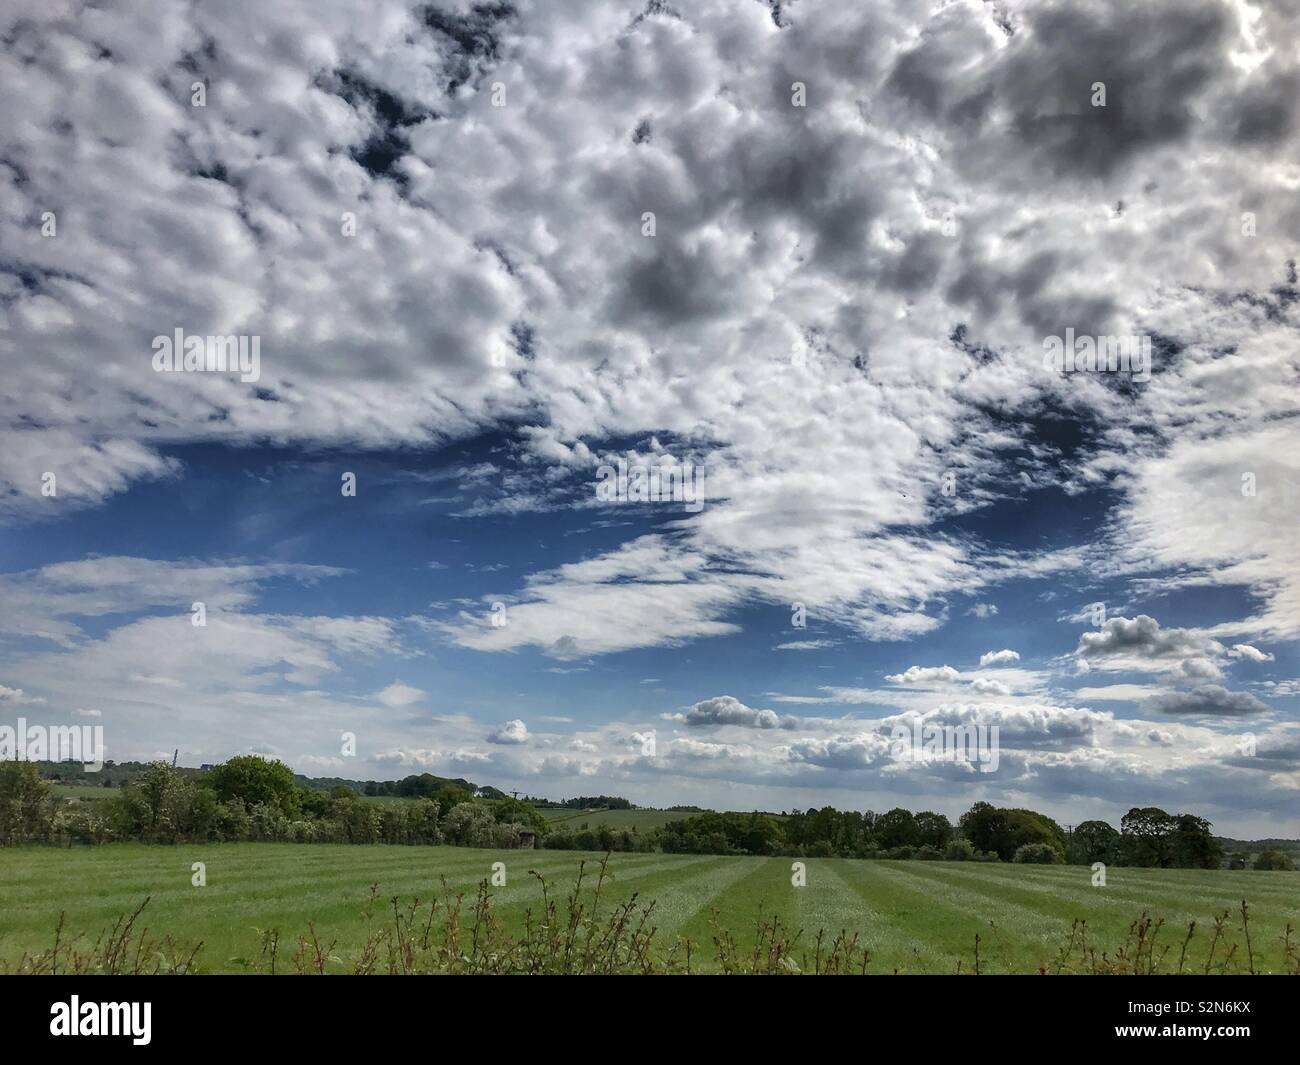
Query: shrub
[[26, 807], [229, 822], [423, 822], [267, 823], [79, 823], [471, 824], [959, 850], [1036, 854], [1275, 860]]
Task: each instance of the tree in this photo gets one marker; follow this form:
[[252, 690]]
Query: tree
[[1147, 832], [983, 824], [161, 805], [449, 796], [897, 828], [26, 806], [517, 810], [1274, 860], [254, 780], [1094, 841], [1004, 831], [935, 829], [1194, 847]]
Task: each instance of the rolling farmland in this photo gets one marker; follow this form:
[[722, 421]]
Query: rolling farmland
[[913, 917]]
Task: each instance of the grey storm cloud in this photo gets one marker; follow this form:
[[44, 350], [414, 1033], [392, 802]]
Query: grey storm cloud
[[1142, 638], [728, 710], [1210, 700]]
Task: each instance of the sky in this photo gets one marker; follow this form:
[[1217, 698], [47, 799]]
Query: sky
[[812, 259]]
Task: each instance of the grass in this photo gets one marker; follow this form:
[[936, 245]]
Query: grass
[[915, 917], [84, 792]]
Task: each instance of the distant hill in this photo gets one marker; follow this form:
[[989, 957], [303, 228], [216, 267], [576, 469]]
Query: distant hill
[[1255, 846]]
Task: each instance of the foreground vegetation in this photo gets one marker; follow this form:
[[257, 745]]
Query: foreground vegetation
[[339, 909]]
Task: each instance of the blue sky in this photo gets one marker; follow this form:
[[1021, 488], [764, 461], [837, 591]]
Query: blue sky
[[435, 223]]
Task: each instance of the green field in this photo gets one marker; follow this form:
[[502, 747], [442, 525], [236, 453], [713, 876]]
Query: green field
[[84, 792], [916, 917]]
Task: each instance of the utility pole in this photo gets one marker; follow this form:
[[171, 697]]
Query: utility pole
[[175, 754]]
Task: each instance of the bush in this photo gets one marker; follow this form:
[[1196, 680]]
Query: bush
[[26, 808], [229, 822], [1036, 854], [423, 822], [959, 850], [79, 823], [1274, 860], [267, 823], [471, 824]]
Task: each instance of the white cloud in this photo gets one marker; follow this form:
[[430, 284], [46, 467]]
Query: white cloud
[[987, 686], [924, 675], [1245, 650], [398, 694], [512, 732]]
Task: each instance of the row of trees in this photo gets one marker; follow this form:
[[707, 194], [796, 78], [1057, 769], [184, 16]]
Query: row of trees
[[246, 798], [447, 792], [251, 798], [1147, 836], [823, 833]]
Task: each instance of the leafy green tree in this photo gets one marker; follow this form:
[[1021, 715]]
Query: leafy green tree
[[254, 780], [935, 830], [1274, 860], [160, 805], [1194, 846], [1003, 831], [1094, 841], [26, 805], [521, 812], [311, 802], [449, 796], [897, 828], [1148, 837]]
